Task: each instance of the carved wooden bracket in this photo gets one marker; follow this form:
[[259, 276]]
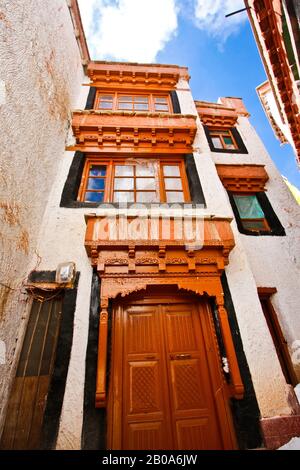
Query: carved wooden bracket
[[150, 76], [128, 131], [243, 178]]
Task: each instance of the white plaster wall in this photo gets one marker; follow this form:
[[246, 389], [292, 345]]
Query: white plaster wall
[[40, 76], [256, 261], [62, 239]]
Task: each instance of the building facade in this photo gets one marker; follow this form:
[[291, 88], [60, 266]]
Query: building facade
[[275, 25], [163, 312]]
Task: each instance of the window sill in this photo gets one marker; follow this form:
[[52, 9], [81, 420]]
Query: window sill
[[117, 205]]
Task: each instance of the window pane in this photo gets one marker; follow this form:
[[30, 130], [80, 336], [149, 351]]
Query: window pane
[[248, 207], [123, 196], [229, 143], [145, 170], [217, 142], [106, 97], [96, 170], [173, 183], [146, 197], [173, 196], [254, 225], [124, 170], [106, 105], [125, 106], [123, 183], [96, 183], [160, 99], [93, 197], [125, 98], [145, 183], [141, 106], [161, 107], [171, 170], [141, 99]]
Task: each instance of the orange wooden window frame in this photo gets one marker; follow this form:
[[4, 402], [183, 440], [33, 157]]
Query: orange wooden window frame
[[264, 220], [110, 164], [151, 101], [221, 133]]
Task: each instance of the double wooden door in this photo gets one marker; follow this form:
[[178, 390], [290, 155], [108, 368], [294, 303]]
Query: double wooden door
[[163, 393]]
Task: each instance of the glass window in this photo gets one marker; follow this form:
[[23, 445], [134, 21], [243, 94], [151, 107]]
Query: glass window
[[217, 142], [173, 183], [124, 184], [106, 101], [118, 101], [93, 197], [123, 170], [222, 139], [95, 183], [251, 214], [134, 180], [145, 183], [248, 207], [172, 196], [147, 197], [124, 196], [171, 170], [161, 103]]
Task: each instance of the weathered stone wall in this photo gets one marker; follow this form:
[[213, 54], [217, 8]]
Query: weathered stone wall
[[40, 78]]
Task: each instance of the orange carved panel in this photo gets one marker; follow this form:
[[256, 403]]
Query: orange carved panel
[[243, 178], [96, 131], [137, 76]]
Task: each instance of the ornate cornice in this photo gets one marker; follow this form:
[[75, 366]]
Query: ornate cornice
[[126, 75], [243, 178], [129, 132], [266, 21]]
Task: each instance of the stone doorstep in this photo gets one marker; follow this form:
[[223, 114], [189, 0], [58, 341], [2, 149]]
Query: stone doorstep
[[279, 430]]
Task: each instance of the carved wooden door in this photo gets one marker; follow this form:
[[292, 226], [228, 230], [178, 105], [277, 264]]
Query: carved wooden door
[[161, 391]]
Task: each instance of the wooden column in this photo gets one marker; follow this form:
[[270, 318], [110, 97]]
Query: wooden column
[[236, 380], [102, 356]]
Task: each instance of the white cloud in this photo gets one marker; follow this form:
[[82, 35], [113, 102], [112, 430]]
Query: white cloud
[[210, 17], [131, 30]]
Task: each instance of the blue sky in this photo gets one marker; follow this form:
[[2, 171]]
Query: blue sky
[[221, 53]]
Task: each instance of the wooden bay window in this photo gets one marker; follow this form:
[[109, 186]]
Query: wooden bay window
[[116, 101], [134, 180]]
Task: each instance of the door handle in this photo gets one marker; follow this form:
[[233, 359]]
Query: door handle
[[180, 356]]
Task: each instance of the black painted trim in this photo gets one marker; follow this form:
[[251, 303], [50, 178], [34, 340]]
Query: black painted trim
[[195, 187], [61, 364], [274, 223], [42, 276], [241, 146], [175, 102], [94, 425], [246, 414], [272, 219], [71, 187], [91, 98], [239, 141]]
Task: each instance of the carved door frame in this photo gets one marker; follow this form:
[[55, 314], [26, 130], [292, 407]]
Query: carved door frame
[[111, 287], [218, 383]]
